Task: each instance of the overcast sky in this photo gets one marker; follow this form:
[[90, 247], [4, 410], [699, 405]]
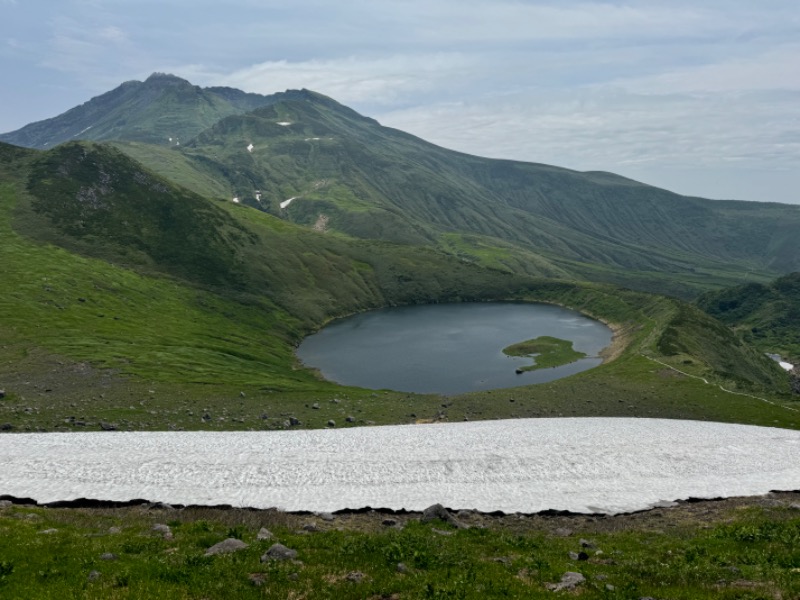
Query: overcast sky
[[701, 97]]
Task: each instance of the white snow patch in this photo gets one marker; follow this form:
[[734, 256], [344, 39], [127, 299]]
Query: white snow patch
[[83, 131], [312, 139], [785, 365], [250, 147], [288, 201], [284, 123], [606, 465], [235, 200]]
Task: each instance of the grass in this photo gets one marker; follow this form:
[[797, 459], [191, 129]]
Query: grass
[[547, 352], [731, 549]]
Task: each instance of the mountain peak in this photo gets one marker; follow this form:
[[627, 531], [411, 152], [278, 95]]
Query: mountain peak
[[165, 79]]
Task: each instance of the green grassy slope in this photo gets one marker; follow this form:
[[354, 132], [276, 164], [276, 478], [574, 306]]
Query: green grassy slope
[[766, 316], [376, 182], [112, 311]]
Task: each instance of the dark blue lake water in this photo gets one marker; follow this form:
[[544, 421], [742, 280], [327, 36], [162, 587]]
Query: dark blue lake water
[[448, 348]]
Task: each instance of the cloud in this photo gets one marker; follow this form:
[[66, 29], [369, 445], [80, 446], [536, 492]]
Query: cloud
[[384, 80]]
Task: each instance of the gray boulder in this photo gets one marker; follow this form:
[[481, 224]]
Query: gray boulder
[[569, 580], [226, 547], [264, 534], [279, 552], [437, 511]]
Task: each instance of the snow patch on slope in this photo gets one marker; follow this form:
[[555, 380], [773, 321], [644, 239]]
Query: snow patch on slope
[[607, 465]]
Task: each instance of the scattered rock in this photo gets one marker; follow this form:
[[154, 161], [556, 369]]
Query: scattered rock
[[389, 522], [164, 530], [6, 503], [315, 406], [578, 556], [441, 531], [795, 506], [226, 547], [331, 423], [293, 576], [279, 552], [437, 511], [114, 530], [2, 394], [6, 427], [562, 532], [610, 588], [350, 419], [257, 579], [326, 516], [264, 534], [94, 576], [294, 421], [401, 568], [108, 556], [312, 527], [587, 544], [107, 426], [49, 531], [242, 394], [569, 580], [355, 576]]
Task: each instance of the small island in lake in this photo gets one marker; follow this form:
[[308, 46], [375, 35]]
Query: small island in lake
[[546, 351]]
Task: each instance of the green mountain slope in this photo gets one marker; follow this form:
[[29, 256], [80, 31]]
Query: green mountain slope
[[113, 310], [163, 109], [375, 182], [766, 316], [305, 158]]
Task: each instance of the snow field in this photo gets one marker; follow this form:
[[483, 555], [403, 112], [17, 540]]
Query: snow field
[[596, 465]]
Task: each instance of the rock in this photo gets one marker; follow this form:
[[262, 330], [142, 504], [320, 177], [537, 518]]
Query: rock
[[569, 580], [401, 568], [226, 547], [587, 544], [331, 423], [355, 576], [350, 419], [610, 588], [94, 576], [279, 552], [294, 421], [108, 556], [293, 576], [562, 532], [6, 503], [2, 394], [437, 511], [107, 426], [315, 406], [164, 530], [326, 516], [264, 534], [578, 556], [49, 531], [6, 427], [389, 522], [257, 579], [114, 530], [242, 394], [795, 506], [312, 527]]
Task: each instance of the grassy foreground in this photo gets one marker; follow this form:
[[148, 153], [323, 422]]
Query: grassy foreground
[[736, 548]]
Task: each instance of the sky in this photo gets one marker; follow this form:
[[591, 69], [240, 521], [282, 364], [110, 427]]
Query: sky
[[701, 97]]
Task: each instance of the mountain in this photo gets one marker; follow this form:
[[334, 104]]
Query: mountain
[[163, 109], [305, 158], [766, 316], [130, 299]]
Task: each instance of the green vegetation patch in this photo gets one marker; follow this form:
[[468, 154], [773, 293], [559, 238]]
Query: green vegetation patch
[[547, 351], [723, 550]]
